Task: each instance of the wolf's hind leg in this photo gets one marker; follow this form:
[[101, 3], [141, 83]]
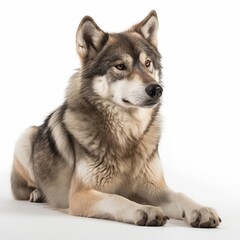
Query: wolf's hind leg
[[22, 177], [20, 188], [22, 191]]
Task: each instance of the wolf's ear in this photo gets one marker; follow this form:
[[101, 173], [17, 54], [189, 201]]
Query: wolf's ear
[[89, 39], [148, 27]]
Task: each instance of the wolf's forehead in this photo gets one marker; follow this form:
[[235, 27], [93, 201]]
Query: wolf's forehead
[[128, 50], [127, 58], [128, 44]]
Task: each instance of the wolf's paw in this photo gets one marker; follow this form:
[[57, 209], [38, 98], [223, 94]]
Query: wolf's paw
[[36, 196], [151, 216], [203, 218]]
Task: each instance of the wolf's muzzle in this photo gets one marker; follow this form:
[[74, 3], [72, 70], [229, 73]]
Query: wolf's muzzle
[[154, 91]]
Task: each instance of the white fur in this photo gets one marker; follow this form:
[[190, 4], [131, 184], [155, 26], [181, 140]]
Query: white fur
[[84, 171], [132, 91], [62, 142], [145, 29], [96, 36], [124, 210], [142, 117], [23, 150], [156, 76], [101, 87]]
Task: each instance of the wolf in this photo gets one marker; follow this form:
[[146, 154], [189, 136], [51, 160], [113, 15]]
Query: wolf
[[97, 154]]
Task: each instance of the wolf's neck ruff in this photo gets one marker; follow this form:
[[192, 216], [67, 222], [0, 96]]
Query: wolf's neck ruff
[[123, 130], [97, 154]]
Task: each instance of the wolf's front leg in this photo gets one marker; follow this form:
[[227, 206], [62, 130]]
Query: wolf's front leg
[[91, 203], [179, 206], [175, 205]]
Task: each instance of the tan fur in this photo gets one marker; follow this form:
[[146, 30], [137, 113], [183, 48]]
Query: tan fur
[[88, 199], [97, 154], [23, 172]]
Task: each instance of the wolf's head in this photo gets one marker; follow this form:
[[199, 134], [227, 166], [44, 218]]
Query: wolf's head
[[123, 68]]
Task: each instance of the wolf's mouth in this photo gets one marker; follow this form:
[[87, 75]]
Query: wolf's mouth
[[146, 104], [126, 101], [150, 104]]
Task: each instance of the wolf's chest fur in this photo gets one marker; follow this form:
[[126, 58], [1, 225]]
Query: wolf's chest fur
[[112, 132], [97, 154], [113, 142]]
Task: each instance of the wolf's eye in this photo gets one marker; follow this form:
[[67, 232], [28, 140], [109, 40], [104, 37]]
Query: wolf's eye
[[148, 63], [121, 67]]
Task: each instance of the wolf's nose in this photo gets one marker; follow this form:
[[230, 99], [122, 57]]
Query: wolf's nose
[[154, 91]]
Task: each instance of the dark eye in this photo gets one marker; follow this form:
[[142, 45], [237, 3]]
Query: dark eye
[[121, 67], [148, 63]]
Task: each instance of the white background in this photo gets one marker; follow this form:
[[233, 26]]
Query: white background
[[199, 42]]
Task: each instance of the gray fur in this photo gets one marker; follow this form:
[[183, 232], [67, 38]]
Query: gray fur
[[99, 149]]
